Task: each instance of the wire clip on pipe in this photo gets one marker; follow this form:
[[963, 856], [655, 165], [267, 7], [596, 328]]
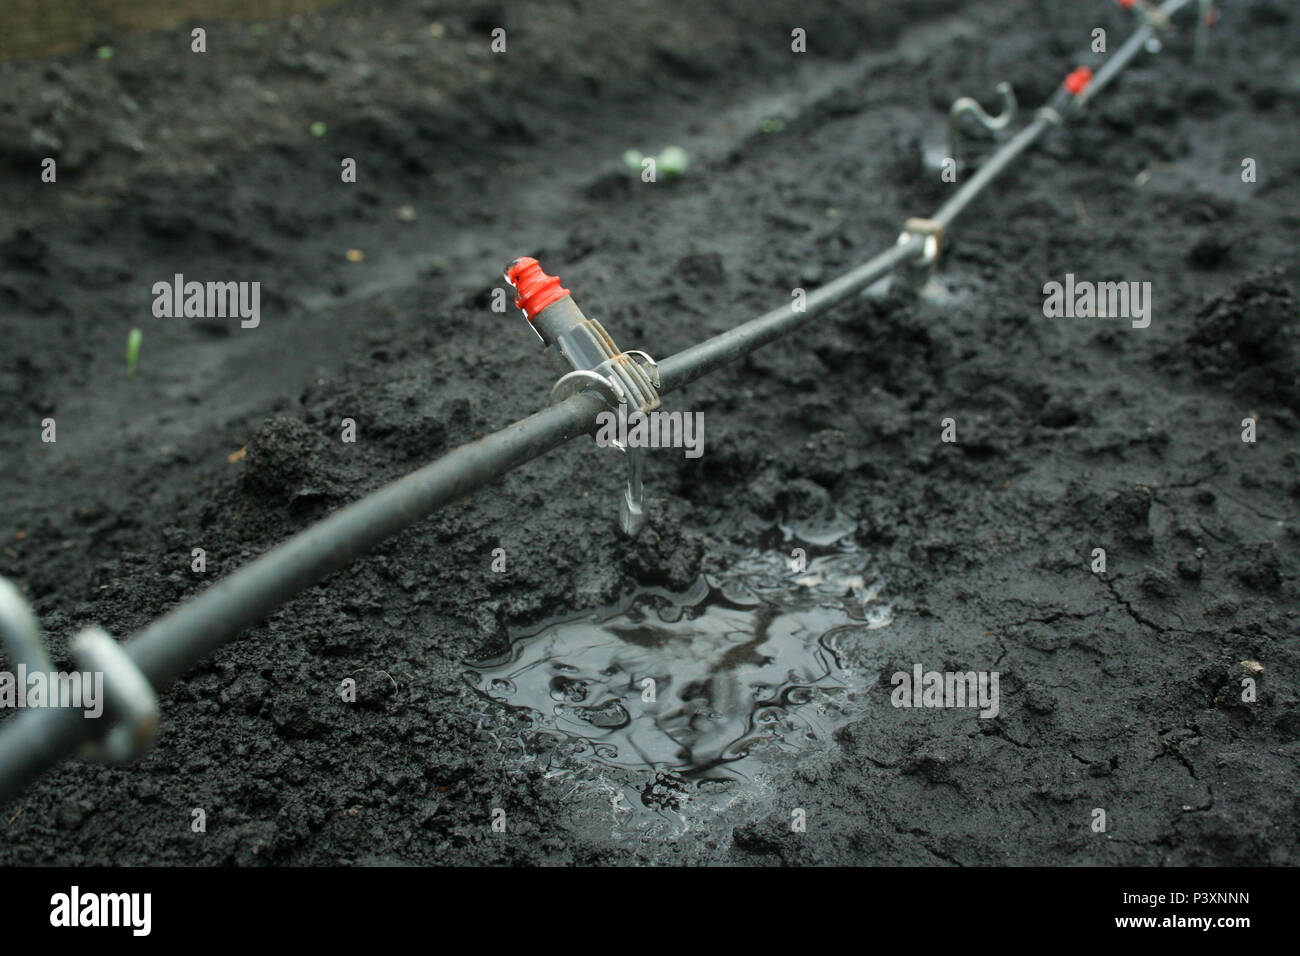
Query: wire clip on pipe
[[932, 232], [622, 378], [131, 698]]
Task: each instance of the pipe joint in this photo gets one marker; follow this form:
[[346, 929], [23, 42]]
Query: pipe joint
[[132, 701]]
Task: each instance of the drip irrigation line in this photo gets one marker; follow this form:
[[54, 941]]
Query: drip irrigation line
[[698, 360], [1131, 47], [998, 162], [36, 739]]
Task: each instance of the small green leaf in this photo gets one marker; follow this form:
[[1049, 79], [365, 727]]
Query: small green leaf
[[673, 161], [133, 342], [104, 53], [318, 129]]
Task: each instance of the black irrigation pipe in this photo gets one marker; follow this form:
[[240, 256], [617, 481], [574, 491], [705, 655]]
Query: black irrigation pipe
[[36, 739]]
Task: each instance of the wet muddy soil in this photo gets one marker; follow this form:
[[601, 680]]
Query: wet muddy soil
[[1120, 690]]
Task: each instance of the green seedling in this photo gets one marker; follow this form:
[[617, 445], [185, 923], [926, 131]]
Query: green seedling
[[133, 341], [773, 124], [671, 162], [104, 53], [318, 129]]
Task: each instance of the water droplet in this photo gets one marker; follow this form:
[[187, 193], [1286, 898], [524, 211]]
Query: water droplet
[[631, 518]]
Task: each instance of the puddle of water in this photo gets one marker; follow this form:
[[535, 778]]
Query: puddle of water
[[669, 697]]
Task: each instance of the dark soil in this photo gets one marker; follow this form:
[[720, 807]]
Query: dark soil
[[1121, 690]]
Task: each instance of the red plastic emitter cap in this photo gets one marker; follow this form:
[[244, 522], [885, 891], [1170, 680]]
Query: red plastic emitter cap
[[1077, 81], [534, 289]]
